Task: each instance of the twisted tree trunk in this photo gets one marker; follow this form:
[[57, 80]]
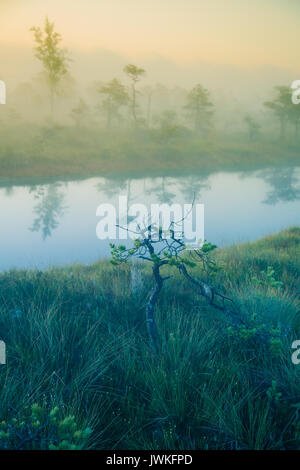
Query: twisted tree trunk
[[150, 308], [211, 296]]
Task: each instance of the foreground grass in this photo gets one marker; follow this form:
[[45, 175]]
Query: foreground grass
[[28, 152], [76, 340]]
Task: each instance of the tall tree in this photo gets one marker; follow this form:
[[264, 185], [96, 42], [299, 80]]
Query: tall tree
[[115, 96], [53, 58], [135, 74], [199, 108], [294, 117], [283, 107]]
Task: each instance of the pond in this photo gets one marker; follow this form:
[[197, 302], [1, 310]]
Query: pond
[[55, 224]]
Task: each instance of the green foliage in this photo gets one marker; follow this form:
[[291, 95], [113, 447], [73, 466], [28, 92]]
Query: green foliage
[[75, 339], [167, 126], [243, 332], [115, 96], [137, 243], [267, 279], [257, 331], [53, 58], [199, 108], [273, 394], [284, 109], [37, 428], [276, 346], [207, 247], [93, 150], [134, 73]]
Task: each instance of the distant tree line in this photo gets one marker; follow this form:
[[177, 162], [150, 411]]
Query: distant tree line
[[114, 95]]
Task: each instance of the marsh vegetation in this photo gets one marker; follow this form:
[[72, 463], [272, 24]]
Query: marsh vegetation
[[55, 125], [77, 340]]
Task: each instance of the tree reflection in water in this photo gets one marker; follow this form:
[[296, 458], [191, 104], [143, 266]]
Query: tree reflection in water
[[285, 185], [161, 191], [49, 208], [192, 186]]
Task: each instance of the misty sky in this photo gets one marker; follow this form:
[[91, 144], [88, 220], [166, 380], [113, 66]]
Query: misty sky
[[235, 32]]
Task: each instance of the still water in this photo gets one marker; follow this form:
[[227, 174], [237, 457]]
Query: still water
[[54, 224]]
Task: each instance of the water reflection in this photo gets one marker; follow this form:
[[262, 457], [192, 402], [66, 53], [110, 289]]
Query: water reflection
[[192, 186], [49, 208], [9, 191], [161, 191], [284, 184], [50, 224], [112, 186]]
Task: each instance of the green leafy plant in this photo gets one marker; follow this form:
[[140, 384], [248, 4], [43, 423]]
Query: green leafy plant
[[37, 428], [163, 250], [273, 394], [267, 279]]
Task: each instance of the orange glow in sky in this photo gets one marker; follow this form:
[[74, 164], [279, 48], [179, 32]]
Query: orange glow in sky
[[240, 32]]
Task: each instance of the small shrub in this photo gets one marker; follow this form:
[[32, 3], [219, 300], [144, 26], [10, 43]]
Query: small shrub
[[38, 429], [268, 279]]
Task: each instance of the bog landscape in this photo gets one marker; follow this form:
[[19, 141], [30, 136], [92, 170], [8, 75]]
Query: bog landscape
[[144, 343]]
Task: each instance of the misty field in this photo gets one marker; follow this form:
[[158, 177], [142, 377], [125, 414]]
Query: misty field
[[80, 373], [154, 346], [62, 123], [28, 152]]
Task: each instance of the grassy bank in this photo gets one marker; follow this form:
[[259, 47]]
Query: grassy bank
[[77, 345], [29, 152]]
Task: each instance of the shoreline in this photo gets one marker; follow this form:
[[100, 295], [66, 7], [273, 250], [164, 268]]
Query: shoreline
[[105, 261], [139, 156], [43, 179]]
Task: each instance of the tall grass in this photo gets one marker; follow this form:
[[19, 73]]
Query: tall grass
[[29, 151], [76, 338]]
